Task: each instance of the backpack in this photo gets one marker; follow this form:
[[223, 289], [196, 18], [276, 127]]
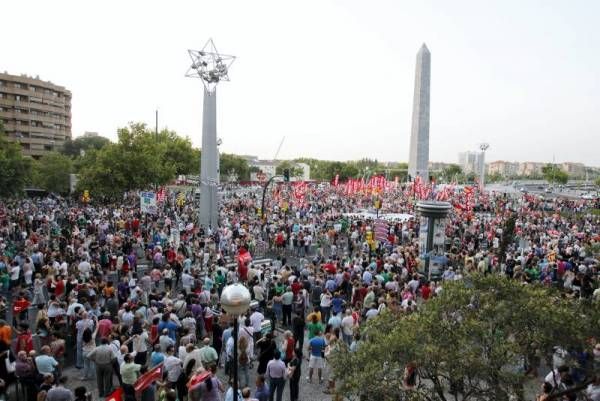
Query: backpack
[[243, 357]]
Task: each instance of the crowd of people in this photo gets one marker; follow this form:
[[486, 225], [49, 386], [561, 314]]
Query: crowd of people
[[117, 293]]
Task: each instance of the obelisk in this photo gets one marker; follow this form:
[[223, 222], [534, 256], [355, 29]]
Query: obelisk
[[418, 159]]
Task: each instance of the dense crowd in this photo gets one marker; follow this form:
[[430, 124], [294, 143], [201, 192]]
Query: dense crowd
[[117, 293]]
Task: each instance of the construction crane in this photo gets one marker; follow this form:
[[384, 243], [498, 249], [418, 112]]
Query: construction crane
[[279, 148]]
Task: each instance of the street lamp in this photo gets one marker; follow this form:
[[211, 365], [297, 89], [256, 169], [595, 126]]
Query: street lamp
[[235, 300], [483, 146]]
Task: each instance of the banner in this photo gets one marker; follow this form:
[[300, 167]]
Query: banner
[[148, 202], [116, 395], [145, 380]]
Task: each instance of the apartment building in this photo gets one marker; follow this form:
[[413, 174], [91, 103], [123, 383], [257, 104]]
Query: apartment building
[[35, 113]]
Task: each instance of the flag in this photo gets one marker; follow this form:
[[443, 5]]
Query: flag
[[381, 230], [197, 379], [336, 180], [145, 380], [161, 195], [116, 395]]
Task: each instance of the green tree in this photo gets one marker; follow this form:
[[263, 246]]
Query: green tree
[[451, 173], [74, 147], [468, 343], [597, 182], [553, 174], [139, 160], [295, 171], [51, 172], [230, 164], [15, 169]]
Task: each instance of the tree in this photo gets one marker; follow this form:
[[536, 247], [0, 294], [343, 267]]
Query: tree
[[74, 147], [553, 174], [451, 173], [15, 169], [597, 182], [52, 172], [230, 164], [295, 171], [469, 341], [139, 160]]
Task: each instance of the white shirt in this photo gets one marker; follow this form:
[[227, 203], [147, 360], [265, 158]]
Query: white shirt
[[173, 367], [14, 272], [256, 318], [348, 325]]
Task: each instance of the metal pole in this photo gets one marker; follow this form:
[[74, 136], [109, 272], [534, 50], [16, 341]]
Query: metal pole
[[429, 246], [235, 358]]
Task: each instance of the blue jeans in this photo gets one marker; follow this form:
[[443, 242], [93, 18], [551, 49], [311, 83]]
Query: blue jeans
[[89, 367], [79, 354], [276, 384], [243, 373]]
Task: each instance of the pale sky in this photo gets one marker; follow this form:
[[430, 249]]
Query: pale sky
[[334, 77]]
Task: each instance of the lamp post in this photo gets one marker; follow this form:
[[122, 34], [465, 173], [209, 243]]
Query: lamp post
[[483, 147], [235, 300]]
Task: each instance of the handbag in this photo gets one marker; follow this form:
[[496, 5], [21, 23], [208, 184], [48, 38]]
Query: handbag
[[10, 366]]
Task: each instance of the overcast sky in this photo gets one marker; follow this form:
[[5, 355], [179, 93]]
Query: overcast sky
[[335, 78]]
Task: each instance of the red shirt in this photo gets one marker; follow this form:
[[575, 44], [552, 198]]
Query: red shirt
[[329, 268], [425, 292], [296, 287]]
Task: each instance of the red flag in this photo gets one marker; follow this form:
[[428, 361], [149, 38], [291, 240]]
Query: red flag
[[161, 195], [116, 395], [197, 379], [145, 380]]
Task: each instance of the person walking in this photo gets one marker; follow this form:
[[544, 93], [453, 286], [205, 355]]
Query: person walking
[[103, 356], [316, 346], [294, 373], [276, 370]]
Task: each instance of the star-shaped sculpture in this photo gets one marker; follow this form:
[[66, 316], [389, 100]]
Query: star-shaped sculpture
[[209, 65]]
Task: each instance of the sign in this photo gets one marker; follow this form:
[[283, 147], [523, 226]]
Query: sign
[[439, 232], [148, 202]]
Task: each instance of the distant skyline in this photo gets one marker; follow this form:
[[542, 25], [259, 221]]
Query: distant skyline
[[334, 77]]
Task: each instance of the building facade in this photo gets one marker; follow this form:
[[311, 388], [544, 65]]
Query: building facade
[[503, 168], [35, 113], [575, 170], [470, 162]]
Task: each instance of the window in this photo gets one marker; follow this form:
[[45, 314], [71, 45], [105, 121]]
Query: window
[[48, 147], [18, 98], [32, 88], [17, 85]]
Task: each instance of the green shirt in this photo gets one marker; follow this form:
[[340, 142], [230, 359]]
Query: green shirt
[[129, 372], [313, 328], [287, 298]]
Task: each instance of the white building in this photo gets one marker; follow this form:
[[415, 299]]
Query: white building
[[470, 162]]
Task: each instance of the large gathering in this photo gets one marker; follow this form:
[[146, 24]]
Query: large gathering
[[106, 295], [299, 201]]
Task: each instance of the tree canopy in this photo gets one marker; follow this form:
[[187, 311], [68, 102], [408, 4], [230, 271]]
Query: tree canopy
[[232, 165], [74, 147], [15, 169], [52, 173], [471, 341], [295, 171], [139, 160], [553, 174]]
